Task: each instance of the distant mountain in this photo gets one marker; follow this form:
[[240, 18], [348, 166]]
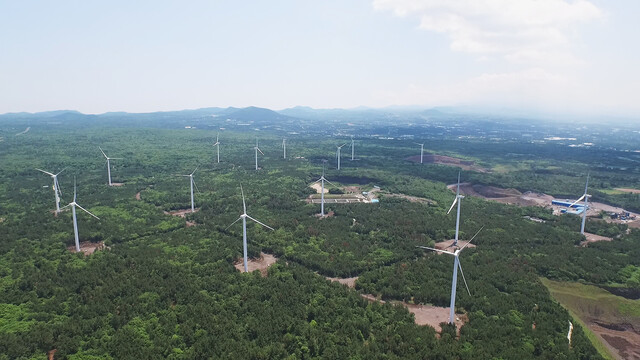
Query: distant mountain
[[258, 115]]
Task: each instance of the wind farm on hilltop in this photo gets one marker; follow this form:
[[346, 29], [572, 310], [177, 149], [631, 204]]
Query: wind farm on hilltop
[[343, 250]]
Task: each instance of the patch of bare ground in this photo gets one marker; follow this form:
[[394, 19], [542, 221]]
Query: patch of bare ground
[[191, 223], [88, 248], [622, 341], [182, 213], [628, 190], [447, 245], [591, 238], [51, 354], [447, 160], [350, 282], [318, 188], [261, 263], [326, 215], [410, 198], [138, 195], [117, 184], [427, 314]]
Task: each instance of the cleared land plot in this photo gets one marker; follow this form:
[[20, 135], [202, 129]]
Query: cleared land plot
[[614, 320], [628, 190], [87, 247], [182, 213], [262, 263], [447, 160]]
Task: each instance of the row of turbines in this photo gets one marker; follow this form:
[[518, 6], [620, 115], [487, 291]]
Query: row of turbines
[[243, 216]]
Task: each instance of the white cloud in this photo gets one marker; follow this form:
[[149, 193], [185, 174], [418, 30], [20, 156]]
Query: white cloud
[[521, 31]]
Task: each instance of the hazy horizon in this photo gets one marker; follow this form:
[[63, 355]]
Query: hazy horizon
[[549, 57]]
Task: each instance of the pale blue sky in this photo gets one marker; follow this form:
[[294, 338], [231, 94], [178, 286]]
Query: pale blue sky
[[566, 56]]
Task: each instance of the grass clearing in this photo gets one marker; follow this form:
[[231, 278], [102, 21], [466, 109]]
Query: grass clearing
[[589, 304]]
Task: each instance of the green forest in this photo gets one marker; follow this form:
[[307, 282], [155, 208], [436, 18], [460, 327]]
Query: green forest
[[162, 289]]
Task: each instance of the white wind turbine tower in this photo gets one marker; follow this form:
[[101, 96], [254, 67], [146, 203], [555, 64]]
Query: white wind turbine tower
[[108, 164], [284, 148], [584, 197], [338, 153], [192, 183], [353, 145], [256, 148], [56, 187], [458, 201], [421, 151], [244, 217], [217, 145], [454, 281], [73, 205], [322, 180]]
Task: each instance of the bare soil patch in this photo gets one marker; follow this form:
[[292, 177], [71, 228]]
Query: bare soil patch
[[182, 213], [427, 314], [191, 223], [88, 248], [625, 343], [326, 215], [447, 245], [117, 184], [591, 238], [447, 160], [411, 198], [261, 263], [138, 196], [350, 282], [628, 190], [318, 188]]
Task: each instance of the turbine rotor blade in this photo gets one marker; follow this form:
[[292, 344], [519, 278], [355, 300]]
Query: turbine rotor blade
[[463, 279], [58, 186], [46, 172], [244, 205], [196, 186], [330, 183], [196, 169], [61, 171], [257, 148], [267, 226], [437, 250], [66, 206], [474, 236], [577, 201], [105, 155], [87, 211], [452, 205], [238, 219]]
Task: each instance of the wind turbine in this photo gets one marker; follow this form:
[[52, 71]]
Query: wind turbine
[[217, 145], [192, 183], [244, 217], [73, 205], [256, 148], [421, 151], [284, 148], [56, 187], [108, 163], [353, 145], [322, 180], [457, 200], [584, 197], [454, 281], [338, 153]]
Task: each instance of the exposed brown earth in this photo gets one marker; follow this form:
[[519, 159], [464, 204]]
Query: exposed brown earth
[[117, 184], [411, 198], [182, 213], [447, 160], [138, 196], [350, 282], [318, 188], [87, 247], [621, 340], [261, 263], [51, 354], [447, 245], [591, 238], [426, 314], [628, 190]]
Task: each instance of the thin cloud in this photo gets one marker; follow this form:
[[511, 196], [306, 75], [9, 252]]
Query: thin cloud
[[522, 31]]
